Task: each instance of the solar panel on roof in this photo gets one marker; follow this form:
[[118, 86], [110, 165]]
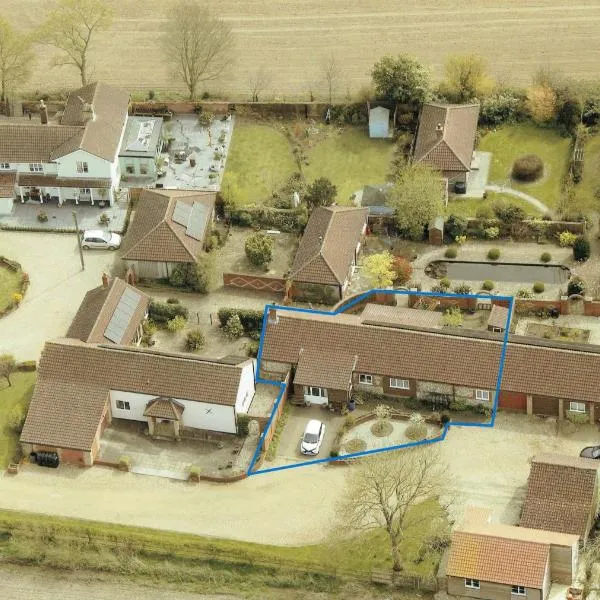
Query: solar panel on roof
[[121, 318], [182, 213], [197, 222]]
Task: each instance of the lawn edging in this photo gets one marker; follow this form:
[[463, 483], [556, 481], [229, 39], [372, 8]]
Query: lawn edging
[[15, 267]]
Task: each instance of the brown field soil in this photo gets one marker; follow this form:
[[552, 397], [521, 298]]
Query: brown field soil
[[291, 38]]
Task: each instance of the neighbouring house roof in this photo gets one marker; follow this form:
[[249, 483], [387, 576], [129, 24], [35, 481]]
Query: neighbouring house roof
[[498, 317], [378, 314], [327, 248], [157, 232], [561, 492], [459, 359], [7, 184], [74, 380], [142, 136], [324, 371], [164, 408], [497, 559], [110, 314], [451, 147], [33, 180]]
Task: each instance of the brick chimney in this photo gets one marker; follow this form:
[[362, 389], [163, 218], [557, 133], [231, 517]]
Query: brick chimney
[[439, 129], [272, 316], [43, 113], [105, 280]]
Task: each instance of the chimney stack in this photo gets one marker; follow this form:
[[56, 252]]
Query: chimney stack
[[272, 315], [104, 280], [88, 112], [439, 128], [43, 113]]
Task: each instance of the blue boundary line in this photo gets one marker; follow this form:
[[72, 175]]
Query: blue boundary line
[[358, 299]]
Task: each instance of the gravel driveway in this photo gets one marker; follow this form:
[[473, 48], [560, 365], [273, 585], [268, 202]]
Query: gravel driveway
[[57, 287]]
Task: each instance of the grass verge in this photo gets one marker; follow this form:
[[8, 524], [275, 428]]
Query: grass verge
[[10, 283], [467, 207]]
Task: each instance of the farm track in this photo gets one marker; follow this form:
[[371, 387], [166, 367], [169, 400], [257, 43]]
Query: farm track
[[291, 38]]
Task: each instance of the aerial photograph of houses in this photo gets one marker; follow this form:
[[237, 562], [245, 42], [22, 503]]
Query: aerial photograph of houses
[[299, 300]]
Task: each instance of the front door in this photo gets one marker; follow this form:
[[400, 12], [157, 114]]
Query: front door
[[164, 428]]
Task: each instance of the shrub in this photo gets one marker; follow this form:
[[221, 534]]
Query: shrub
[[172, 300], [528, 168], [183, 276], [566, 238], [445, 283], [509, 213], [452, 317], [444, 418], [251, 319], [492, 233], [462, 288], [576, 286], [27, 365], [484, 212], [194, 340], [241, 218], [194, 474], [252, 349], [416, 431], [451, 252], [581, 249], [104, 219], [487, 285], [523, 293], [124, 463], [460, 239], [176, 324], [501, 107], [493, 254], [233, 329], [42, 216], [321, 192], [16, 419], [455, 226], [546, 257], [577, 418], [402, 269], [242, 425], [458, 405], [205, 118], [538, 287], [438, 287], [17, 298], [205, 273], [161, 312], [259, 248]]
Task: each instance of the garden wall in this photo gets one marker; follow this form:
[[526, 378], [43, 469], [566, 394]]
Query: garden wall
[[263, 422], [377, 298], [261, 283]]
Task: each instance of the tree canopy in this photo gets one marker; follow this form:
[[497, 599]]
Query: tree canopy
[[466, 78], [321, 192], [379, 268], [402, 79], [16, 58]]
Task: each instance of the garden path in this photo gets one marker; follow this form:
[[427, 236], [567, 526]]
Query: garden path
[[507, 190]]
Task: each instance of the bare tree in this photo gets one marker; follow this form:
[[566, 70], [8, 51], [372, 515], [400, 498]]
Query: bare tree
[[258, 81], [197, 44], [8, 366], [71, 26], [16, 58], [331, 73], [382, 490]]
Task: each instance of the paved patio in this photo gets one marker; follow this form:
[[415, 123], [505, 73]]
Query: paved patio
[[591, 324], [478, 178]]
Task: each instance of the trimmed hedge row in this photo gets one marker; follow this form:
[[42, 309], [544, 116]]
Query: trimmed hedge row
[[251, 319], [285, 219], [162, 312], [27, 365]]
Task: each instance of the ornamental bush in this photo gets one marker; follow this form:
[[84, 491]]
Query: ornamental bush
[[528, 168], [509, 213], [538, 287], [493, 254], [546, 257], [233, 328], [161, 312], [445, 283], [523, 293], [402, 270], [462, 288], [194, 340], [456, 226], [251, 319], [487, 285], [176, 324], [451, 252], [576, 286], [259, 248], [581, 249], [566, 239], [492, 233]]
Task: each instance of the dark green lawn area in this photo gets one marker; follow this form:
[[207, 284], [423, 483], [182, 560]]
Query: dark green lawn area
[[586, 189], [467, 207], [10, 282], [510, 142], [19, 394]]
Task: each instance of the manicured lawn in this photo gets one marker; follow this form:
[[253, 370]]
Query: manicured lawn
[[584, 191], [351, 160], [19, 394], [10, 282], [510, 142], [260, 159], [467, 207]]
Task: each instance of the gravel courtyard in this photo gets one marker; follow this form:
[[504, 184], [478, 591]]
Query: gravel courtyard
[[490, 467]]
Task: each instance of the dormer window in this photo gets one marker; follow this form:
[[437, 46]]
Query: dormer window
[[36, 168]]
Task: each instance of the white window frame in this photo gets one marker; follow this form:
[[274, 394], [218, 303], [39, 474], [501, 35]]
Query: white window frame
[[365, 379], [472, 584], [578, 407], [86, 191], [82, 166], [518, 590], [321, 392], [482, 395], [399, 384], [123, 405], [4, 166], [36, 168]]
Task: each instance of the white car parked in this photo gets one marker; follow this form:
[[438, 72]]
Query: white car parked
[[96, 238], [312, 438]]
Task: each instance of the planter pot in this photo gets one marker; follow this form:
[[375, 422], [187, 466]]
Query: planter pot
[[192, 162]]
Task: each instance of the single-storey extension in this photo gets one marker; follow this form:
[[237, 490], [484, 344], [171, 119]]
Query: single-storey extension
[[141, 147], [168, 228]]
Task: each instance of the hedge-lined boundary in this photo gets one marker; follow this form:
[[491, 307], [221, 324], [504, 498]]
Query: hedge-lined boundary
[[15, 267]]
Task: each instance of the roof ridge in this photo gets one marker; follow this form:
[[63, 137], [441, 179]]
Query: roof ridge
[[328, 265], [109, 292], [503, 538], [169, 221]]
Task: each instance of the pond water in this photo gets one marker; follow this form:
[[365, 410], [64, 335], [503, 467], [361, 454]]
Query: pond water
[[457, 270]]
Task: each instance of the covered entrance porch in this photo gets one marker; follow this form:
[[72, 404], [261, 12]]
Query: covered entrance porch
[[164, 418]]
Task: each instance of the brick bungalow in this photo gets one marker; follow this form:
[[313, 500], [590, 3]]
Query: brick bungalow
[[562, 494], [328, 252], [168, 228], [446, 139], [539, 376]]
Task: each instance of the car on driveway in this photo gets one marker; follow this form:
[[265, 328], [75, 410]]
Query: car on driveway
[[96, 238], [590, 452], [312, 438]]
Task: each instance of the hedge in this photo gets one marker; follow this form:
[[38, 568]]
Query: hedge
[[284, 219], [27, 365], [161, 312], [251, 319]]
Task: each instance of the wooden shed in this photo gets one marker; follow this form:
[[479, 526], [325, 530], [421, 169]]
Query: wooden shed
[[436, 231]]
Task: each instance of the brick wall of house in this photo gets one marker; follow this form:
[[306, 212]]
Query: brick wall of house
[[388, 390], [512, 401]]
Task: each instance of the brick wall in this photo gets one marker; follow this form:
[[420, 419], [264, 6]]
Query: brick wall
[[263, 283]]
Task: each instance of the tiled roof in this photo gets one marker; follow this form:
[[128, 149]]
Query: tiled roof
[[164, 408], [23, 143], [324, 371], [497, 559], [378, 314], [74, 379], [452, 148], [154, 236], [97, 308], [498, 317], [561, 493], [7, 184], [450, 358], [327, 247], [31, 179]]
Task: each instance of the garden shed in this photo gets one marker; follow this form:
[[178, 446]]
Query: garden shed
[[436, 231], [379, 122]]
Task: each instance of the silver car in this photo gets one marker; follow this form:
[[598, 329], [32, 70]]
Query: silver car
[[96, 238]]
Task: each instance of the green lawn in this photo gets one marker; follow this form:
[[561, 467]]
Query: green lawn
[[510, 142], [259, 160], [467, 207], [584, 191], [10, 282], [19, 394], [351, 160]]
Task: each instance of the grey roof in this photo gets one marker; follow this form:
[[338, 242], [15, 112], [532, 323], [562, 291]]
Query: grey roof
[[379, 113], [142, 136]]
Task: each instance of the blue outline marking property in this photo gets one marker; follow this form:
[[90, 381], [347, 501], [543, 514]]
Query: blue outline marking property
[[344, 308]]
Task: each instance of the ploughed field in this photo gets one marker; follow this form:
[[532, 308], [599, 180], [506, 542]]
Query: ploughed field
[[291, 38]]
